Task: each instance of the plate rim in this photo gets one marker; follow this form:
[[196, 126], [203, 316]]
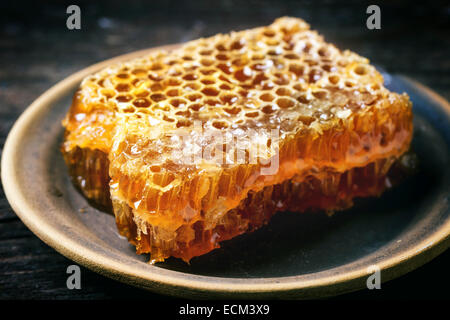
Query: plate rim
[[201, 285]]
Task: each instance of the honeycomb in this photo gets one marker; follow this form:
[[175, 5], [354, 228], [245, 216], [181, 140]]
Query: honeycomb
[[183, 143]]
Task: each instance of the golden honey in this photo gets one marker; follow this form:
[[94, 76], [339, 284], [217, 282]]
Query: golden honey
[[135, 136]]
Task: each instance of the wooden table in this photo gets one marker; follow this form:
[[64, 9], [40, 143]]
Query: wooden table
[[37, 51]]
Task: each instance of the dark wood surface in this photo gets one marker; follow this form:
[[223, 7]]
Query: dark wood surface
[[37, 51]]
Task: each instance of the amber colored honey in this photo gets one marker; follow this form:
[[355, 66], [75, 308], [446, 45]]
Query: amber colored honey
[[339, 131]]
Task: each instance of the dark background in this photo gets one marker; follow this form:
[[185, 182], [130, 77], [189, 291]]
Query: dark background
[[37, 51]]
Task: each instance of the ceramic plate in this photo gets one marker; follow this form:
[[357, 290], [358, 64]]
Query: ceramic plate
[[295, 256]]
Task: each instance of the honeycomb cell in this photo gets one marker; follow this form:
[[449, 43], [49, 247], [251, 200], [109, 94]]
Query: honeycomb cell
[[178, 103], [233, 110], [269, 33], [328, 68], [124, 98], [258, 57], [292, 56], [123, 76], [206, 52], [222, 57], [157, 97], [155, 87], [185, 113], [220, 47], [283, 92], [155, 168], [229, 98], [157, 66], [142, 93], [212, 102], [207, 62], [334, 79], [155, 77], [174, 82], [268, 109], [258, 79], [225, 68], [281, 79], [297, 69], [267, 85], [314, 75], [208, 81], [194, 97], [320, 95], [237, 44], [184, 123], [168, 119], [220, 125], [210, 91], [129, 109], [252, 114], [225, 86], [190, 77], [267, 97], [196, 106], [173, 92], [192, 86], [141, 103], [243, 74], [123, 87], [323, 52], [349, 84], [207, 72], [285, 103], [139, 72], [360, 70], [306, 120]]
